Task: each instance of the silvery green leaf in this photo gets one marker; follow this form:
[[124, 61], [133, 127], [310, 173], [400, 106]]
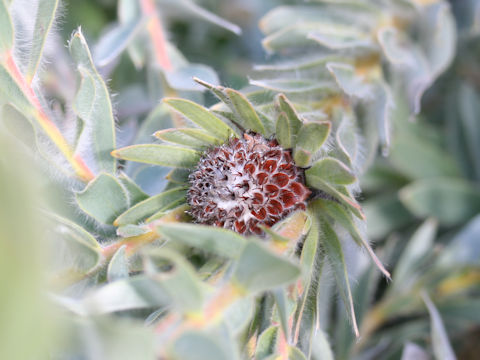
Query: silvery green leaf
[[164, 155], [463, 248], [288, 123], [92, 104], [310, 138], [11, 92], [201, 116], [115, 338], [283, 131], [194, 138], [128, 10], [438, 36], [413, 351], [80, 251], [295, 353], [266, 343], [177, 278], [417, 156], [136, 292], [343, 41], [321, 348], [131, 230], [345, 219], [104, 198], [307, 34], [245, 114], [421, 63], [441, 344], [176, 211], [333, 171], [306, 317], [76, 231], [316, 181], [417, 249], [302, 157], [308, 64], [238, 315], [381, 109], [347, 140], [334, 253], [135, 194], [178, 176], [352, 84], [196, 345], [115, 41], [149, 206], [280, 298], [297, 86], [118, 266], [43, 23], [408, 58], [257, 269], [218, 241], [343, 12]]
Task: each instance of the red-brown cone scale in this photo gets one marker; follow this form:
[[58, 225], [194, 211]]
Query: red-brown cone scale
[[246, 183]]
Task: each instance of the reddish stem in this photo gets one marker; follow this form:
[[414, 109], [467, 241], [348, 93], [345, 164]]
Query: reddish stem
[[77, 163], [156, 34]]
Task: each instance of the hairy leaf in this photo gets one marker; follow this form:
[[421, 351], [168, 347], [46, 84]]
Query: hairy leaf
[[104, 198], [201, 116], [149, 206], [257, 269], [218, 241], [164, 155], [43, 23], [92, 104]]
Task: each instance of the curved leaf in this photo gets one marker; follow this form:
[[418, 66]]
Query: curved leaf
[[104, 198], [218, 241], [164, 155], [246, 116], [149, 206], [43, 23], [92, 104], [201, 116], [334, 253]]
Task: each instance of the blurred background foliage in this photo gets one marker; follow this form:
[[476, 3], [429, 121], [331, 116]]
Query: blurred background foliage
[[422, 201]]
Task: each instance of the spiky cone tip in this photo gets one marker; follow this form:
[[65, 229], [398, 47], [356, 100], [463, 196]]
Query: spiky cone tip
[[245, 183]]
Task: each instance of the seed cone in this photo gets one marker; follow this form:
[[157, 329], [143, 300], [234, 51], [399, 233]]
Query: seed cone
[[246, 183]]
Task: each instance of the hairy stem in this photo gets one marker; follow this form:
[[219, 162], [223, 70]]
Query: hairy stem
[[78, 164]]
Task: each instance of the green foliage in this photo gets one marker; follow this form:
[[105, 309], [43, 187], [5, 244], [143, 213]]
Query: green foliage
[[220, 242], [92, 105], [104, 198], [202, 117], [164, 155], [129, 275]]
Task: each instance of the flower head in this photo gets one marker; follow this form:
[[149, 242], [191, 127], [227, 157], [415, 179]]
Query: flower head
[[246, 183]]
